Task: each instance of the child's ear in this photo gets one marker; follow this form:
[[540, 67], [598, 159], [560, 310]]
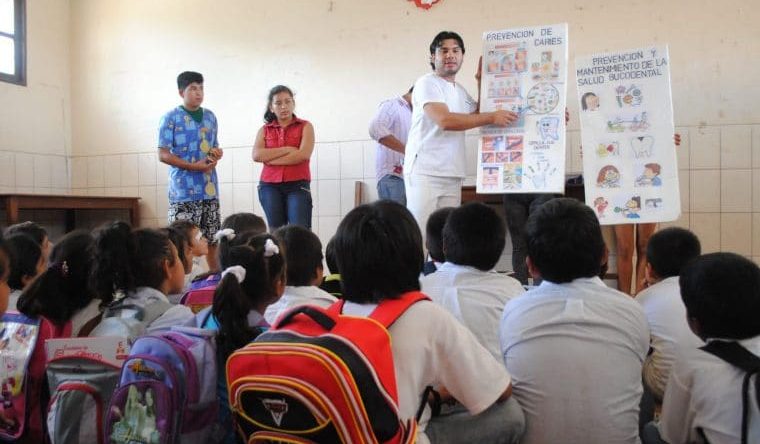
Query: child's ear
[[279, 285], [167, 267], [532, 270], [649, 274]]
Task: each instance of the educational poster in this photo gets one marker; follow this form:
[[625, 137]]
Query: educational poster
[[629, 158], [525, 71]]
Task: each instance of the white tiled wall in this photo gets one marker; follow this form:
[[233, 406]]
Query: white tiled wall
[[719, 171]]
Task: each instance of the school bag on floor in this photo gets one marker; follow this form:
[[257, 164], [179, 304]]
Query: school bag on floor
[[319, 376], [82, 375], [167, 390], [738, 356], [23, 395]]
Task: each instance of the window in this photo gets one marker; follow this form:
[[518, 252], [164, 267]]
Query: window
[[13, 41]]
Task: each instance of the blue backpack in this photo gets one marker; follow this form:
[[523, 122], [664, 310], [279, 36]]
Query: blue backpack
[[167, 390]]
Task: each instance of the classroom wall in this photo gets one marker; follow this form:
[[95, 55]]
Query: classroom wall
[[343, 57], [35, 120]]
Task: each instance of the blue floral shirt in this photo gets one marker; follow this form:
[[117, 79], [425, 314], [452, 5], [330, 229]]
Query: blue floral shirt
[[190, 141]]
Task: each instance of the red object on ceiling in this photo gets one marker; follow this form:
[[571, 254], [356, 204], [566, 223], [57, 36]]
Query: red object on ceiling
[[425, 4]]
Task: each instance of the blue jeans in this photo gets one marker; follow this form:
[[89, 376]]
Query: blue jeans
[[286, 203], [392, 188], [517, 208], [502, 423]]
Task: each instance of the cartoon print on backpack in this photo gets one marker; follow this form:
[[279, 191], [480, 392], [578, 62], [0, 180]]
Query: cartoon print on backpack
[[138, 421]]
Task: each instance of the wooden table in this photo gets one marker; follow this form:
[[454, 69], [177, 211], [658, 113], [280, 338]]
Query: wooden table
[[15, 202]]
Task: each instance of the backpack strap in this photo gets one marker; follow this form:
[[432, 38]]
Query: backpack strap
[[89, 326], [738, 356], [389, 310]]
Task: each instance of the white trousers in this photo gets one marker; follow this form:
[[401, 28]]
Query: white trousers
[[425, 194]]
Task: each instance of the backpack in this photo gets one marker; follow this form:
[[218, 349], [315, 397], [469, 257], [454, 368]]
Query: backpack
[[129, 320], [320, 376], [738, 356], [82, 375], [167, 390], [23, 391], [201, 293]]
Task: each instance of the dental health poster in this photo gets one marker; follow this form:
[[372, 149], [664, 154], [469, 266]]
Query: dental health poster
[[524, 71], [629, 158]]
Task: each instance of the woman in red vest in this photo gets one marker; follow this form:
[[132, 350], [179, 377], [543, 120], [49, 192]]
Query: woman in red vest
[[284, 145]]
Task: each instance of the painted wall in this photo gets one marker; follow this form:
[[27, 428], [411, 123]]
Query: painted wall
[[35, 120], [343, 57]]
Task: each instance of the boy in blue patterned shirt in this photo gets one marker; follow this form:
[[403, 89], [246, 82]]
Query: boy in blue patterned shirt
[[187, 142]]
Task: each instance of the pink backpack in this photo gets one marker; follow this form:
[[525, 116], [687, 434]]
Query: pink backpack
[[201, 293], [23, 397]]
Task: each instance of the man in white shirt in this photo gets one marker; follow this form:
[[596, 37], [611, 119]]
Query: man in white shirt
[[303, 255], [390, 129], [668, 251], [573, 346], [703, 399], [434, 165], [466, 285]]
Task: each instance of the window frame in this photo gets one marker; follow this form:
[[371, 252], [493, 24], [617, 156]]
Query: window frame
[[19, 45]]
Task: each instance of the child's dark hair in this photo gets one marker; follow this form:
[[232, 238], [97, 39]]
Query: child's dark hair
[[64, 288], [379, 251], [269, 116], [722, 292], [434, 233], [241, 222], [670, 249], [233, 300], [31, 229], [179, 239], [438, 41], [5, 258], [25, 255], [306, 257], [127, 259], [474, 235], [186, 78], [565, 241], [332, 261]]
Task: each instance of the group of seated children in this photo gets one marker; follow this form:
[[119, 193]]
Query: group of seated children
[[481, 360]]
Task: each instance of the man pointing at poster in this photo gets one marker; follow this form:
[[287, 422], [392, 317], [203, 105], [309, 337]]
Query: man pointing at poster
[[434, 166]]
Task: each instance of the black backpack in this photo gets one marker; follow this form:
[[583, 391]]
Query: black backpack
[[738, 356]]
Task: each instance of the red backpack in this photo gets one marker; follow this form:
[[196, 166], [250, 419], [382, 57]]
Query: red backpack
[[321, 376]]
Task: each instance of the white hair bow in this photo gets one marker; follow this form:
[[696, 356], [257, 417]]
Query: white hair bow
[[227, 233], [235, 270], [270, 248]]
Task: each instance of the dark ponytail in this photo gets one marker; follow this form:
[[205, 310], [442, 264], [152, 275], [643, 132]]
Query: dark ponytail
[[269, 116], [63, 289], [233, 300], [126, 259]]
